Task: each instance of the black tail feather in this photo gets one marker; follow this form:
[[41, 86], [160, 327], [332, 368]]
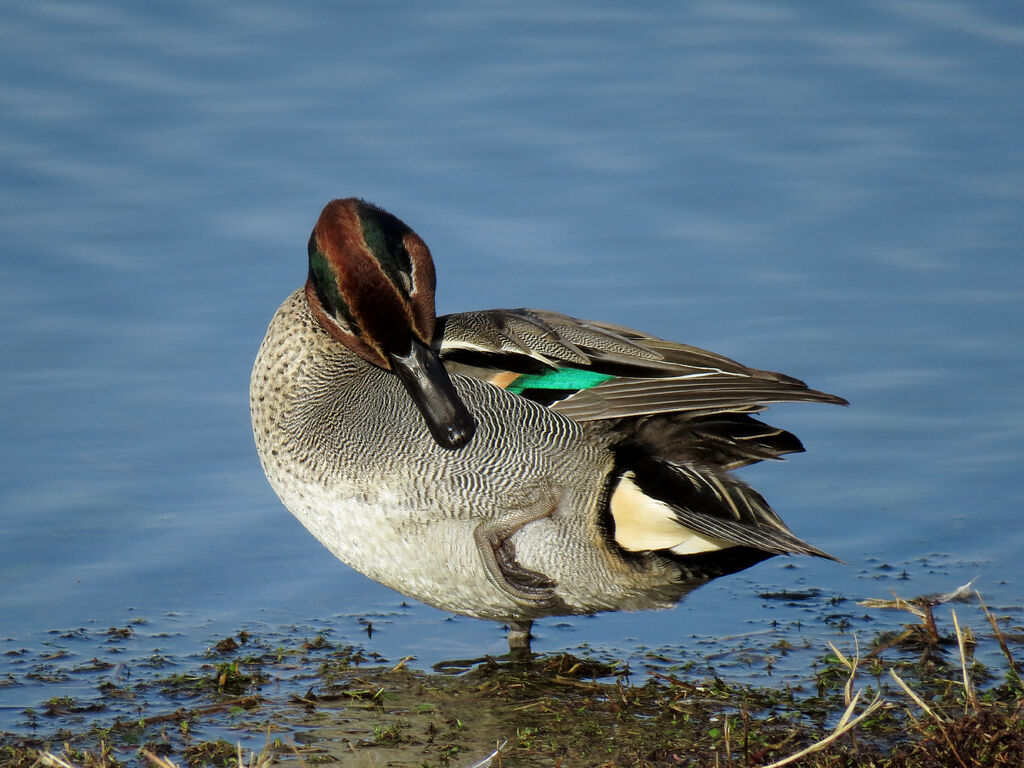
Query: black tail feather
[[709, 502]]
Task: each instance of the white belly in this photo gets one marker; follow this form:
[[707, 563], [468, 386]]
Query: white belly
[[428, 556]]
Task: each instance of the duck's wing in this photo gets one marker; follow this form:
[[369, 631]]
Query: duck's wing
[[592, 371], [676, 417]]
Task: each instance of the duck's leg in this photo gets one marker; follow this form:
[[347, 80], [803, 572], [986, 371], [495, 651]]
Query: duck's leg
[[530, 588], [519, 636]]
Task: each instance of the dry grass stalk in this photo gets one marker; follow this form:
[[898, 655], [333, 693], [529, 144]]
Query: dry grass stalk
[[851, 666], [486, 762], [940, 721], [917, 699], [999, 637], [54, 761], [897, 603], [844, 726], [728, 746], [847, 722], [970, 703], [163, 762], [922, 607]]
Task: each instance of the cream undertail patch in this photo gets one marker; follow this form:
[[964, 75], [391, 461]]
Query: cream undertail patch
[[645, 523]]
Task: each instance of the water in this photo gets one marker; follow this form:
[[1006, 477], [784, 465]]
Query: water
[[831, 190]]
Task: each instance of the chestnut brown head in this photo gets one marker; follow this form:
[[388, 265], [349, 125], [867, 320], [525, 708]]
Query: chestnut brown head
[[371, 286]]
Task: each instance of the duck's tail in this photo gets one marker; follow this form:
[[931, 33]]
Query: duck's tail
[[661, 502]]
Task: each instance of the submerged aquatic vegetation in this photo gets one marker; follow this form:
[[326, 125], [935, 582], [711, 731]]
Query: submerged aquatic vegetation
[[914, 698]]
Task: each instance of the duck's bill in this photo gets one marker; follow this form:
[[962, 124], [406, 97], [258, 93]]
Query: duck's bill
[[428, 384]]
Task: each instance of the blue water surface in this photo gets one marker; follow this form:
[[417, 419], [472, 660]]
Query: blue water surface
[[833, 190]]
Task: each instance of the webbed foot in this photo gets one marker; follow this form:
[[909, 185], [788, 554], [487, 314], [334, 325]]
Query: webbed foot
[[530, 588]]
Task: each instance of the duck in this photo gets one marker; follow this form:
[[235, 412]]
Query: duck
[[507, 464]]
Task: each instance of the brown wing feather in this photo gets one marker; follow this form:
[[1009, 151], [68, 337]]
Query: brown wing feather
[[653, 375], [704, 394]]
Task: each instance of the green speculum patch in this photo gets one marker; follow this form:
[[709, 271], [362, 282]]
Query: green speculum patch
[[563, 378]]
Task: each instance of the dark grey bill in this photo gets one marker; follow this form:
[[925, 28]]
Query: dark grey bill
[[427, 383]]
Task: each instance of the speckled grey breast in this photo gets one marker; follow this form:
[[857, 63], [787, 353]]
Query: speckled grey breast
[[346, 450]]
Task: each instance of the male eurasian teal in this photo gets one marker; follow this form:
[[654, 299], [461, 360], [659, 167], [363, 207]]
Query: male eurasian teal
[[506, 464]]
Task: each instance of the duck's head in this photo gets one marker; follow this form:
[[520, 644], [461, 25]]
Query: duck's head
[[371, 286]]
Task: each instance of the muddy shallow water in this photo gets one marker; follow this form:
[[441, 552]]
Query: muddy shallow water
[[306, 696]]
